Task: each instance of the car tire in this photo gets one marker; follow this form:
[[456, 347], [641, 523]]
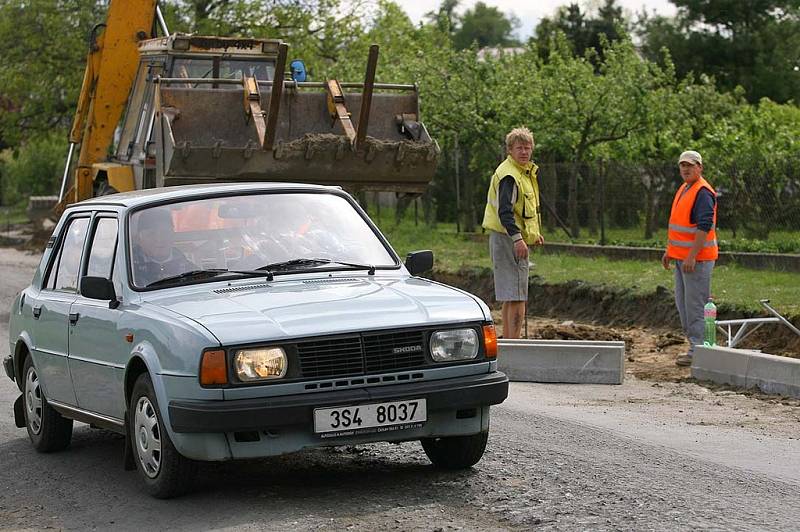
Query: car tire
[[165, 472], [455, 452], [48, 430]]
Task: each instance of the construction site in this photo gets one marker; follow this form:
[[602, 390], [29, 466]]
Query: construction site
[[245, 270]]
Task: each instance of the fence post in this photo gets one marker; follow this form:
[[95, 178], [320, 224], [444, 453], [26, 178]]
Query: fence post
[[602, 178], [458, 184]]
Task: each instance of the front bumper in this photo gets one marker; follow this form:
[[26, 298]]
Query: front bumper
[[8, 365], [261, 414]]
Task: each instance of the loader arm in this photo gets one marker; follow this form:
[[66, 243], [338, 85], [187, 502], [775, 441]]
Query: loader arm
[[111, 66]]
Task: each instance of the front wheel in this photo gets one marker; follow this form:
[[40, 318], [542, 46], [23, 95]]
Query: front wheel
[[48, 430], [166, 473], [455, 452]]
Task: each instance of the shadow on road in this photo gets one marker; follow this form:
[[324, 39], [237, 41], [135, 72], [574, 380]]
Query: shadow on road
[[86, 484]]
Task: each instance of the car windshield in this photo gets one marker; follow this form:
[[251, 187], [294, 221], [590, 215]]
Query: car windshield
[[306, 231]]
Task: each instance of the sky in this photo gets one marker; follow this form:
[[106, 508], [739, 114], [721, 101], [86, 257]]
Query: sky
[[530, 11]]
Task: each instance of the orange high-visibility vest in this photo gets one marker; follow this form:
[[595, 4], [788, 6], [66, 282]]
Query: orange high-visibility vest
[[682, 231]]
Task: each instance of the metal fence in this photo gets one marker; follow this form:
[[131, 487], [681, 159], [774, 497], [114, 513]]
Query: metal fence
[[755, 201], [609, 202]]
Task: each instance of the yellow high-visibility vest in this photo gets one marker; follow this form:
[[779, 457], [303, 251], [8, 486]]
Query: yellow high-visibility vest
[[526, 205]]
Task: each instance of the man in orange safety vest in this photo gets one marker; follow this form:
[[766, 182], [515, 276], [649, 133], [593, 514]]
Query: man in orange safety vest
[[692, 245]]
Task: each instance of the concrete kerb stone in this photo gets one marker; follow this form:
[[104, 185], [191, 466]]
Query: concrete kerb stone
[[562, 361], [747, 369]]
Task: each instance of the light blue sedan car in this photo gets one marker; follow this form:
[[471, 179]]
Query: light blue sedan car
[[216, 322]]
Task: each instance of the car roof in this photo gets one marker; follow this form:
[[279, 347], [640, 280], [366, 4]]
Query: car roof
[[158, 195]]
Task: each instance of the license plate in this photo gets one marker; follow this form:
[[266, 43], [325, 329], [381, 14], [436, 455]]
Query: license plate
[[376, 417]]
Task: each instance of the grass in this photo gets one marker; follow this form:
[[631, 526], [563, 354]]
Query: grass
[[12, 214], [734, 285]]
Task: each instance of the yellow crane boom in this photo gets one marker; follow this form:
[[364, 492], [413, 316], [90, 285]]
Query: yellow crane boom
[[110, 70]]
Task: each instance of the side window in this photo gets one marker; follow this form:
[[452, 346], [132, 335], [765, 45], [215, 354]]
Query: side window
[[69, 261], [50, 281], [104, 243]]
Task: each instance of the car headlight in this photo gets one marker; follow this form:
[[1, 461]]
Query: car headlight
[[260, 364], [453, 345]]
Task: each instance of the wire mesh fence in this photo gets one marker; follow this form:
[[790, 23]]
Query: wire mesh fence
[[620, 203]]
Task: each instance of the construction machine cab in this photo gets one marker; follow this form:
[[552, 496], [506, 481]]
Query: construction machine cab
[[214, 109]]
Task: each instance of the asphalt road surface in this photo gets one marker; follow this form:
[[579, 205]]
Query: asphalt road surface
[[639, 456]]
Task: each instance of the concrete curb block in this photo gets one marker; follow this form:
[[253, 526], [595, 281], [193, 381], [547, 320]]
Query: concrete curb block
[[566, 361], [747, 369]]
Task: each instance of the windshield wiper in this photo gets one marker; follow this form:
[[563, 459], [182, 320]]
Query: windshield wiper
[[207, 273], [287, 264]]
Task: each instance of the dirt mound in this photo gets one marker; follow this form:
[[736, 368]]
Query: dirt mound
[[619, 307], [570, 330], [650, 353], [328, 142]]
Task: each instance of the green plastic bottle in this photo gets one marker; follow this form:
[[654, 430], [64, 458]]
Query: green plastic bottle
[[710, 319]]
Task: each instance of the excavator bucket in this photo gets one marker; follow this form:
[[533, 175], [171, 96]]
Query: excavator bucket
[[205, 136]]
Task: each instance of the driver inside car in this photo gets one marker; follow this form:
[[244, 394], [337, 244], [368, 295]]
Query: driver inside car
[[155, 256], [274, 233]]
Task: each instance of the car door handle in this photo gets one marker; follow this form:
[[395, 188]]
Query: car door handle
[[73, 317], [37, 311]]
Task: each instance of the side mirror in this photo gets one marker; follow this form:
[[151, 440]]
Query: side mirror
[[99, 288], [298, 70], [418, 262]]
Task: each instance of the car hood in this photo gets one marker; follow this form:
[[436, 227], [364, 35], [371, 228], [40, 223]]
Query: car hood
[[250, 312]]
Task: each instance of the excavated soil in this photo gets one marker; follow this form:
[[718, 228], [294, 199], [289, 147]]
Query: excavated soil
[[649, 323], [328, 142], [650, 353]]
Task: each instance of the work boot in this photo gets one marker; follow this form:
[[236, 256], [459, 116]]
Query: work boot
[[683, 360]]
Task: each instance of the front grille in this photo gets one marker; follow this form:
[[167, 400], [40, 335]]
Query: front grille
[[400, 350], [366, 353], [329, 358]]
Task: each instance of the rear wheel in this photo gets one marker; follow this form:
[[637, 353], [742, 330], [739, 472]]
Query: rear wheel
[[455, 452], [166, 473], [48, 430]]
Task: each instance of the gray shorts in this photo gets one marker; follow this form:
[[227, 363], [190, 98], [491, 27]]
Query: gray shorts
[[510, 274]]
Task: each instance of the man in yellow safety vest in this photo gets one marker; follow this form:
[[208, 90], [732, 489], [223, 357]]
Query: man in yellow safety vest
[[513, 220]]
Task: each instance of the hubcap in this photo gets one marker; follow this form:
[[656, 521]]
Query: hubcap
[[33, 401], [148, 437]]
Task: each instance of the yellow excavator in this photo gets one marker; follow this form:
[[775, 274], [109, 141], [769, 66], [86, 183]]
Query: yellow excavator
[[159, 109]]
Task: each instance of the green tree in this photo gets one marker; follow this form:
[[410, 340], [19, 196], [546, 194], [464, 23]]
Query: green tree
[[752, 155], [34, 168], [315, 29], [487, 26], [583, 30], [753, 44], [445, 18], [44, 45], [588, 106]]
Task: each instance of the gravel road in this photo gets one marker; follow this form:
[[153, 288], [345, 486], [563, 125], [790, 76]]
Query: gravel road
[[644, 455]]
